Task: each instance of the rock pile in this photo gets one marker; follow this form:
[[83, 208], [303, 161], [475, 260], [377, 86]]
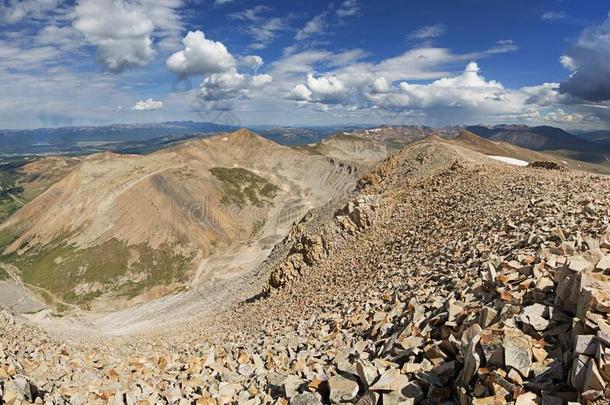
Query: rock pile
[[310, 248], [548, 165], [442, 281]]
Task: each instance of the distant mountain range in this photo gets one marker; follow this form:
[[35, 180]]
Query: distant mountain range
[[548, 139], [139, 138], [536, 138], [593, 147], [602, 137], [90, 139]]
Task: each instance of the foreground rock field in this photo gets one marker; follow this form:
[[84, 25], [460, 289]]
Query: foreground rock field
[[445, 278]]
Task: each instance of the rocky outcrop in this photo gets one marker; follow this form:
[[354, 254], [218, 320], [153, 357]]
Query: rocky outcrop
[[311, 245], [358, 215], [548, 165]]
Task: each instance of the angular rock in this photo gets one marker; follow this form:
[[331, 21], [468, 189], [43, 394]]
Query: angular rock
[[390, 380], [342, 389], [369, 398], [517, 351], [493, 348], [536, 316], [306, 398], [585, 344], [593, 378]]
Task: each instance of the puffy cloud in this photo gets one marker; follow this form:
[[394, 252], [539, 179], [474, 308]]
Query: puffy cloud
[[221, 2], [543, 95], [120, 31], [468, 97], [329, 89], [428, 32], [123, 31], [300, 93], [222, 86], [147, 105], [349, 8], [200, 56], [231, 85], [451, 99], [567, 62], [222, 82], [259, 81], [324, 89], [588, 60], [466, 90], [380, 85], [13, 11], [357, 84], [251, 61]]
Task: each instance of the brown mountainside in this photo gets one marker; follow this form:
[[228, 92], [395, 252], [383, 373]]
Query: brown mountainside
[[127, 225]]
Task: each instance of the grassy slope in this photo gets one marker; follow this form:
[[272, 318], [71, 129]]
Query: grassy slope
[[60, 268], [242, 187], [10, 187]]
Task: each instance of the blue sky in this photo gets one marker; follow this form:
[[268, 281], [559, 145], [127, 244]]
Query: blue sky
[[94, 62]]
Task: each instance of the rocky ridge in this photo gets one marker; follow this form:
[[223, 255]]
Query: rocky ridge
[[447, 278]]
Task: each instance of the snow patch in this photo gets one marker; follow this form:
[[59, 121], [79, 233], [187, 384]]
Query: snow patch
[[510, 161]]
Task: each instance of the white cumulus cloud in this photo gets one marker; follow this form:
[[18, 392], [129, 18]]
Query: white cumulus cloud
[[222, 81], [324, 89], [200, 56], [123, 31], [251, 61], [231, 85], [147, 105]]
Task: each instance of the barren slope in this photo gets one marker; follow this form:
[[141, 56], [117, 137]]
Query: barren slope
[[130, 227], [362, 151], [22, 180]]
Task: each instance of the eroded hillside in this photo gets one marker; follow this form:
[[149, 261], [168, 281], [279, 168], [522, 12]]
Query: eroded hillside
[[122, 229]]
